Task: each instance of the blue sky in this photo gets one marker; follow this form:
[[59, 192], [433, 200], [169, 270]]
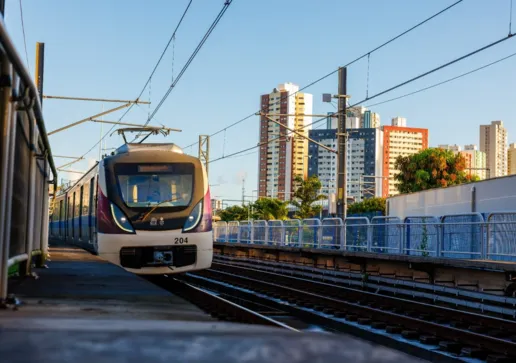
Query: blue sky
[[100, 48]]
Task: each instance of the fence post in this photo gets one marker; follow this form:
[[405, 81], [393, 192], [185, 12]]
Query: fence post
[[251, 234], [239, 232]]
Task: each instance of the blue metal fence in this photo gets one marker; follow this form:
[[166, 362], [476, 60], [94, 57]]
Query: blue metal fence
[[465, 236]]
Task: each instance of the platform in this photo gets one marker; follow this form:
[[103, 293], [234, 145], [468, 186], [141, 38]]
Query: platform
[[82, 309], [80, 285]]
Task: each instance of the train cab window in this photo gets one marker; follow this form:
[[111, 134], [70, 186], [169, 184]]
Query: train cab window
[[166, 185]]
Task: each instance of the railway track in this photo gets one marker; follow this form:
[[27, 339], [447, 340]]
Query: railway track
[[217, 306], [457, 298], [427, 331]]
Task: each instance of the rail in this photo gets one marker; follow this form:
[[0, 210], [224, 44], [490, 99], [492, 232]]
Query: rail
[[489, 236], [26, 166]]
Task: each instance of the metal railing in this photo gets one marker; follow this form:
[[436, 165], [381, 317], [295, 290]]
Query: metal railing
[[26, 167], [465, 236]]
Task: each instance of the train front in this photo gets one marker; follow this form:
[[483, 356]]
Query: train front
[[154, 212]]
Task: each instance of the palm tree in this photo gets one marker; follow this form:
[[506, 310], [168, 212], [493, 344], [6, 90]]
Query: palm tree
[[306, 194], [270, 209]]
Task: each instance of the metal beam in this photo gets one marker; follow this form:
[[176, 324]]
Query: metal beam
[[298, 133], [300, 114], [70, 163], [95, 99], [72, 171], [40, 66], [135, 125], [89, 118]]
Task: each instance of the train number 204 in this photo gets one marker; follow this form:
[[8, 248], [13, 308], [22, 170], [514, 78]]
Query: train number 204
[[180, 240]]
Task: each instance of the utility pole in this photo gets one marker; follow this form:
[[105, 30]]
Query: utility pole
[[342, 146], [40, 63], [204, 150], [243, 191]]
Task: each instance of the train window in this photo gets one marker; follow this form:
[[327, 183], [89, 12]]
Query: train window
[[169, 185], [92, 196], [78, 203], [70, 208], [86, 199]]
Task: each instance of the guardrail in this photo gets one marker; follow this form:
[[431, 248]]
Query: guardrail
[[25, 167], [465, 236]]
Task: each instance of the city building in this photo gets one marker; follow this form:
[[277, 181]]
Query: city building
[[511, 159], [216, 205], [493, 141], [282, 159], [454, 148], [364, 161], [477, 161], [399, 122], [399, 141], [366, 118]]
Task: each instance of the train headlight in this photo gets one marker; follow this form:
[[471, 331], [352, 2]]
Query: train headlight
[[120, 219], [193, 219]]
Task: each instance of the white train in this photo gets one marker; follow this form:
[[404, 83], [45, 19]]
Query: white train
[[146, 208]]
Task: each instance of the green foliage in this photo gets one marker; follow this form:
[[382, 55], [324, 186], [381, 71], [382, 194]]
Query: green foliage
[[368, 205], [264, 208], [270, 209], [307, 192], [234, 213], [431, 168]]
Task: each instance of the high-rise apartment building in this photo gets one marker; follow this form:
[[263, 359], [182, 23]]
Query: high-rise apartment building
[[454, 148], [364, 161], [283, 159], [511, 159], [477, 161], [399, 141], [366, 118], [493, 141]]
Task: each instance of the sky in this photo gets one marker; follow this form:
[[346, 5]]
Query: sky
[[107, 49]]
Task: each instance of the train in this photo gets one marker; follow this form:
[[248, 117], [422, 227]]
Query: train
[[146, 208]]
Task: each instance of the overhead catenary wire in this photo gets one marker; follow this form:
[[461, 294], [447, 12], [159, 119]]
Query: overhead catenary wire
[[390, 89], [367, 54], [227, 3], [442, 82], [146, 83]]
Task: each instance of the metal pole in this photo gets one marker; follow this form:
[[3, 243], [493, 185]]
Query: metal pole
[[2, 7], [341, 141], [40, 63]]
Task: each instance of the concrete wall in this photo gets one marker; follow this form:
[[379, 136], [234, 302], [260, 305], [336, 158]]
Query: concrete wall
[[493, 195]]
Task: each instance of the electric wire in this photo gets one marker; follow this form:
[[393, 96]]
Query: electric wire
[[336, 70], [227, 3], [24, 38], [396, 87], [146, 83]]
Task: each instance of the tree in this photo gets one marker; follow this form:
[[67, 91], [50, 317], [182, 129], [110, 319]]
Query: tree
[[306, 194], [234, 213], [270, 209], [367, 206], [429, 169]]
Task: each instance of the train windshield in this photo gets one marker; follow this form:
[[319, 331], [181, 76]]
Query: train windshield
[[160, 185]]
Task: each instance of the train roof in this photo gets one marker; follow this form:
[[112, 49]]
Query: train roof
[[130, 147]]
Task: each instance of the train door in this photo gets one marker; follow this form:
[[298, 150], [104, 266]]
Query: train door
[[67, 218], [72, 207], [61, 218], [79, 214], [91, 212]]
